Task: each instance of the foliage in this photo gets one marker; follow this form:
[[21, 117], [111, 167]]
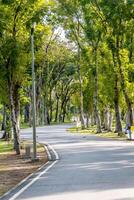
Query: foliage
[[84, 59]]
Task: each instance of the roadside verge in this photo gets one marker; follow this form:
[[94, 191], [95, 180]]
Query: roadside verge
[[32, 178]]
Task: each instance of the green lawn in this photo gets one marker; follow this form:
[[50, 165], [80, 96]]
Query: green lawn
[[5, 146], [92, 130], [24, 125]]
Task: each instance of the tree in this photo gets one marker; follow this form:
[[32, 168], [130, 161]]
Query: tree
[[19, 16], [72, 24]]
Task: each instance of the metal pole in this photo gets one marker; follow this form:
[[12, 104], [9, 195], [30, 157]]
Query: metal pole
[[33, 96]]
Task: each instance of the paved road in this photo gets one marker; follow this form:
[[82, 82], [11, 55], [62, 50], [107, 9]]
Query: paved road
[[90, 168]]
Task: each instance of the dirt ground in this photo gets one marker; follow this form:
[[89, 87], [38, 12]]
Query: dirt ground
[[14, 168]]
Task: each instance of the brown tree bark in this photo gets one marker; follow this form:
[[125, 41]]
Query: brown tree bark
[[57, 108], [118, 128], [98, 123], [123, 85], [27, 113], [3, 127], [50, 106], [110, 121], [15, 110], [106, 118], [81, 99]]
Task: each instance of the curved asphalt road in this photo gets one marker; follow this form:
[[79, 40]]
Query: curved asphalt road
[[90, 168]]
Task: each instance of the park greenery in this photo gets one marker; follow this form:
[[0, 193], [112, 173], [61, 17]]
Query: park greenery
[[84, 64]]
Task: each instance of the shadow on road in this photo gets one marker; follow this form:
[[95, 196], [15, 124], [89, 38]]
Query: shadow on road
[[89, 168]]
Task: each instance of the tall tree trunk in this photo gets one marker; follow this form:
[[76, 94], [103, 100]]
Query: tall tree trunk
[[3, 127], [46, 114], [50, 106], [102, 116], [14, 115], [106, 118], [79, 75], [87, 120], [93, 120], [57, 109], [38, 122], [61, 111], [81, 99], [64, 100], [14, 88], [43, 111], [123, 85], [27, 113], [37, 106], [7, 124], [17, 105], [64, 114], [96, 94], [110, 121], [130, 112], [118, 128], [64, 110]]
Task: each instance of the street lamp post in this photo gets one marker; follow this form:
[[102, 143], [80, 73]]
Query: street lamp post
[[33, 96]]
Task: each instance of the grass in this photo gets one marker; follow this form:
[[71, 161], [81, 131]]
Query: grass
[[24, 125], [82, 131], [60, 123], [5, 146], [92, 131], [112, 135]]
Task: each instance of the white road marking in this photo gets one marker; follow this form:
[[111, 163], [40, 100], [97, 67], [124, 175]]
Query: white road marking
[[48, 153], [33, 181], [25, 179], [56, 154]]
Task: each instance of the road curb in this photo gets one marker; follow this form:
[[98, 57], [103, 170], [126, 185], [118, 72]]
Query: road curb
[[52, 154], [52, 159]]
